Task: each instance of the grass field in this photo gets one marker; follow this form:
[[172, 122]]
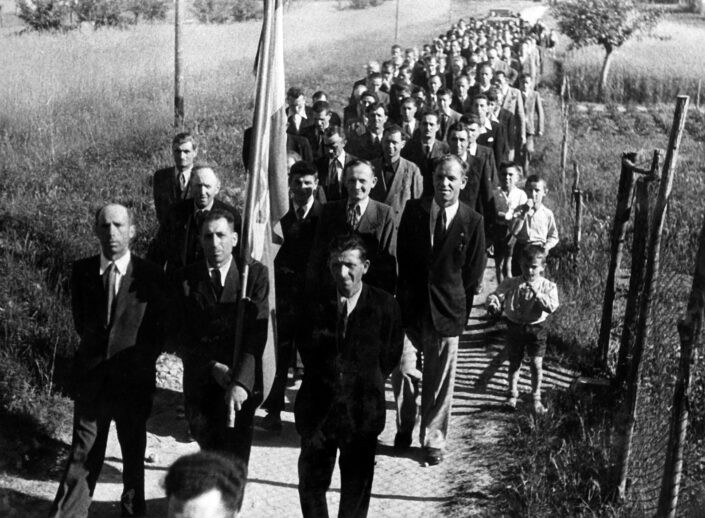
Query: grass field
[[652, 69]]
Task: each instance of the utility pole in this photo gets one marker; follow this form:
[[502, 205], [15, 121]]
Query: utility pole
[[178, 66], [396, 25]]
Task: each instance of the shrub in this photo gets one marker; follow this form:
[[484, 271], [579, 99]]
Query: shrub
[[363, 4], [103, 13], [245, 10], [213, 11], [44, 15], [149, 10]]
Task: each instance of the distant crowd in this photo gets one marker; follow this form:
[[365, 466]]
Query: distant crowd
[[395, 206]]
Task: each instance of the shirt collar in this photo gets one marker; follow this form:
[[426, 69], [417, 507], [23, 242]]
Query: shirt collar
[[352, 301], [224, 269], [207, 208], [472, 149], [340, 158], [120, 264], [363, 205], [306, 206], [451, 211]]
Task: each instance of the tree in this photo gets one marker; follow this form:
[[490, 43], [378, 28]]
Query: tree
[[609, 23]]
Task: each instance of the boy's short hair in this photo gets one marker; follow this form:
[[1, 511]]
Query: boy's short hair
[[531, 252], [507, 164], [303, 168], [535, 178], [345, 242]]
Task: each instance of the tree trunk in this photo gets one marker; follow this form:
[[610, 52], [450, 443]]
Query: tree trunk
[[605, 70]]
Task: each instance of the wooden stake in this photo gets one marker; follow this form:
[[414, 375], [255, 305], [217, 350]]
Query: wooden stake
[[697, 96], [396, 25], [578, 199], [178, 67]]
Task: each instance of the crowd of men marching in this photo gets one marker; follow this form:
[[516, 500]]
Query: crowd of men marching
[[395, 205]]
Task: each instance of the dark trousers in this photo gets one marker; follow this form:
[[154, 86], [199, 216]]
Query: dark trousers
[[516, 258], [276, 401], [316, 464], [94, 409]]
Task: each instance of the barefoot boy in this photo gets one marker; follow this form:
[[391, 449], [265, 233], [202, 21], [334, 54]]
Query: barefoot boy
[[507, 197], [533, 223], [527, 301]]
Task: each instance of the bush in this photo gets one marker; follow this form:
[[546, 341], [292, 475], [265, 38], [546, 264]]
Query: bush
[[363, 4], [44, 15], [225, 11], [245, 10], [150, 10], [103, 13]]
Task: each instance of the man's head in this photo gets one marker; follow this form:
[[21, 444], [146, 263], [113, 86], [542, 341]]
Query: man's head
[[408, 109], [218, 237], [459, 139], [205, 485], [372, 67], [392, 143], [501, 80], [429, 126], [291, 158], [303, 182], [295, 98], [334, 141], [114, 229], [449, 178], [367, 99], [509, 173], [348, 263], [444, 98], [204, 186], [396, 50], [492, 55], [535, 189], [525, 84], [319, 95], [461, 85], [376, 118], [360, 179], [375, 82], [480, 106], [321, 115], [184, 149], [484, 75], [532, 262], [388, 72], [434, 83]]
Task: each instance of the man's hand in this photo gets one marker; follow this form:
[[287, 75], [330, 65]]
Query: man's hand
[[235, 397], [221, 374]]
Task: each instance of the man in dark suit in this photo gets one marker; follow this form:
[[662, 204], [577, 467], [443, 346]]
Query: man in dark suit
[[357, 214], [368, 146], [398, 179], [511, 100], [332, 164], [220, 381], [121, 308], [357, 340], [492, 134], [446, 115], [299, 228], [461, 99], [335, 119], [424, 150], [407, 120], [176, 244], [441, 251], [298, 115], [295, 143], [170, 184], [314, 132]]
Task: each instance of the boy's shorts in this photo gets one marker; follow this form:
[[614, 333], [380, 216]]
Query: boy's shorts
[[525, 337]]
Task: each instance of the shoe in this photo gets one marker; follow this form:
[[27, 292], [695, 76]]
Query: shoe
[[539, 409], [272, 422], [131, 506], [511, 402], [402, 441], [433, 457]]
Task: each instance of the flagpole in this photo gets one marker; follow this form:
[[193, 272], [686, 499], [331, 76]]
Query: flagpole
[[262, 109]]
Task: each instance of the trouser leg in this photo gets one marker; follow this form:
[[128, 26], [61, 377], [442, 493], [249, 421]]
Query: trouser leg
[[316, 463], [357, 467], [406, 388]]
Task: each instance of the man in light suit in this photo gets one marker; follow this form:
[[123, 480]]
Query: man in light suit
[[332, 164], [218, 379], [398, 179], [533, 107], [513, 102], [357, 214], [177, 244], [170, 184], [121, 310], [357, 340], [441, 252], [425, 149]]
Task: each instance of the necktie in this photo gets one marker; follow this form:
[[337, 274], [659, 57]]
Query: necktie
[[333, 175], [353, 216], [182, 183], [300, 213], [444, 123], [439, 230], [217, 282], [342, 322], [426, 150], [407, 128], [109, 280]]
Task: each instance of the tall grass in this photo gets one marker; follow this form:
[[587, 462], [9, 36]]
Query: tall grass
[[652, 69]]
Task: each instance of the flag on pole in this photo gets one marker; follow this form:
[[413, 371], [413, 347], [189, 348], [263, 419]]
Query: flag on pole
[[267, 193]]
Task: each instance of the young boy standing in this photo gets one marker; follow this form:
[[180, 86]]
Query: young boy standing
[[527, 301], [534, 224], [507, 197]]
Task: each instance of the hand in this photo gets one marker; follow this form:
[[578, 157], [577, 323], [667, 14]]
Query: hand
[[492, 310], [317, 439], [221, 374], [235, 397]]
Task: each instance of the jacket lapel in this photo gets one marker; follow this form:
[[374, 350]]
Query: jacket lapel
[[396, 187], [121, 302], [368, 217], [231, 287]]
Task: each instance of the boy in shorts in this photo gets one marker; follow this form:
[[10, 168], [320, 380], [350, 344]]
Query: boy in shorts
[[527, 301], [507, 197]]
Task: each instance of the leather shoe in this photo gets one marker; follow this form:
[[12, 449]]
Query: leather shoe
[[272, 422], [402, 441], [433, 457], [131, 505]]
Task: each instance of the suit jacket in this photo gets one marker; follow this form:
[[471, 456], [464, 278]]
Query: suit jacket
[[445, 122], [308, 121], [439, 280], [176, 244], [364, 147], [407, 184], [461, 106], [413, 151], [208, 333], [481, 174], [315, 138], [139, 327], [533, 107], [497, 140], [331, 188], [513, 102], [166, 191], [342, 393], [376, 228], [294, 143]]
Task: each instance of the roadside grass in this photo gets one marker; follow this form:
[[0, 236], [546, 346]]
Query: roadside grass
[[652, 69]]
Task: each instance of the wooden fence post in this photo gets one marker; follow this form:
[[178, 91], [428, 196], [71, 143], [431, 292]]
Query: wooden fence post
[[578, 199], [650, 278], [697, 96], [178, 66]]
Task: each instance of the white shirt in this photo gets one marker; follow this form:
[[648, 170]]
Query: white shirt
[[472, 149], [351, 301], [223, 270], [362, 204], [187, 177], [204, 209], [451, 211], [339, 162], [120, 267]]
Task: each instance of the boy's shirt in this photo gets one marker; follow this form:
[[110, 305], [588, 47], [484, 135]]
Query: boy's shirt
[[506, 202], [539, 227], [520, 303]]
